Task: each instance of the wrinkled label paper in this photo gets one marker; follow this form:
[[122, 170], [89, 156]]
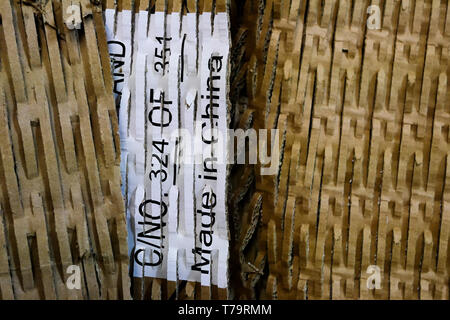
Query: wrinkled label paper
[[171, 82]]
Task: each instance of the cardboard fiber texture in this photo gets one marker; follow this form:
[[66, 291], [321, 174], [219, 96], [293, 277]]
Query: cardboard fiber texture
[[362, 190], [61, 209], [167, 58]]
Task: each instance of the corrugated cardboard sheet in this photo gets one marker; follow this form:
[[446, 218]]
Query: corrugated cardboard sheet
[[61, 207], [362, 191]]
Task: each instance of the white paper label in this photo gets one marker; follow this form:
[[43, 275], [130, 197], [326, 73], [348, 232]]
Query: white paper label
[[173, 121]]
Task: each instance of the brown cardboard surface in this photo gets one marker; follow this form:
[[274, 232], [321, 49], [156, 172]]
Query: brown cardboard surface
[[60, 198], [362, 181], [363, 178]]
